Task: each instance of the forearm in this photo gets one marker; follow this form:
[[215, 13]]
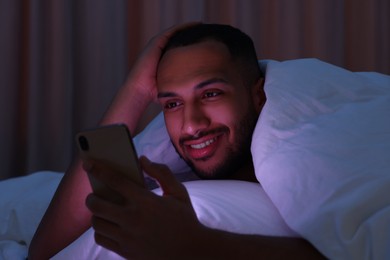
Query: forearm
[[130, 103], [127, 107], [217, 244], [66, 218]]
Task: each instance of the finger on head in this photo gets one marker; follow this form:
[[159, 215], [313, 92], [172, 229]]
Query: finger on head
[[163, 38], [175, 28]]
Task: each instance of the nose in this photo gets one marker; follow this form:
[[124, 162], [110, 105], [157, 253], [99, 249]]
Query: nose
[[195, 119]]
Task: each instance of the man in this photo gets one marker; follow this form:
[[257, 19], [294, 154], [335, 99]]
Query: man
[[207, 80]]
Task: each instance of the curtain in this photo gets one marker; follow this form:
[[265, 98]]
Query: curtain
[[61, 61]]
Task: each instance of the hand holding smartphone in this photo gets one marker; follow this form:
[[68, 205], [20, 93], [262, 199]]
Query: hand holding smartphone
[[111, 145]]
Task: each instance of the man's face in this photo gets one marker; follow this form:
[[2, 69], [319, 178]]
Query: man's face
[[209, 113]]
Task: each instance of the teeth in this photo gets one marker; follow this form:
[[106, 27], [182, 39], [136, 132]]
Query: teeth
[[203, 145]]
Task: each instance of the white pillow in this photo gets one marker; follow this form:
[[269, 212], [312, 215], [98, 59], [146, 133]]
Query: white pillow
[[321, 151], [154, 142], [236, 206]]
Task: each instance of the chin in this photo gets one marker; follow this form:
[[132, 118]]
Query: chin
[[215, 172], [217, 167]]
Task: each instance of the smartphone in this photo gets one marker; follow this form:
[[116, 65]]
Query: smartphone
[[113, 146]]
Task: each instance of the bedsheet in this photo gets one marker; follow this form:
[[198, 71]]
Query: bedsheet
[[23, 202], [235, 206], [321, 152]]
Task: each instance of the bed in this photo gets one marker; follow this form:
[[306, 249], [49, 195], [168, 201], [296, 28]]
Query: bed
[[321, 151]]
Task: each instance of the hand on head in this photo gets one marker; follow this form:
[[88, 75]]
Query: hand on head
[[144, 71], [140, 88]]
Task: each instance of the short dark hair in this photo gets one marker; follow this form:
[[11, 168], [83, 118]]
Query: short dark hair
[[239, 44]]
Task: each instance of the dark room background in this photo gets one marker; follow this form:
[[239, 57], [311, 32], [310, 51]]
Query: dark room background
[[61, 61]]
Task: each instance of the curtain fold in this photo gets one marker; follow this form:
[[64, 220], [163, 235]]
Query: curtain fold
[[61, 61]]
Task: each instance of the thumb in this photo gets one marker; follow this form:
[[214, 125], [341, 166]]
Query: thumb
[[167, 181]]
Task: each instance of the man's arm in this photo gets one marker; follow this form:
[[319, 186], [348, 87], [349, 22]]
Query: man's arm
[[217, 244], [67, 216], [149, 226]]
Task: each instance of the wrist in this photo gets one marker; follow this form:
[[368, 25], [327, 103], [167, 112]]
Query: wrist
[[207, 243], [128, 106]]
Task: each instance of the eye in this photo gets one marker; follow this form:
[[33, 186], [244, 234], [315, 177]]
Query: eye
[[212, 94], [171, 105]]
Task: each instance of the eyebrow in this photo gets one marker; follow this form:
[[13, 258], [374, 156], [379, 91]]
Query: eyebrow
[[198, 86]]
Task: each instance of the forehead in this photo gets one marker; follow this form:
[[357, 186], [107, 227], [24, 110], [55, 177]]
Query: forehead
[[194, 62]]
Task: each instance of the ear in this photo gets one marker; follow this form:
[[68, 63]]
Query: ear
[[258, 95]]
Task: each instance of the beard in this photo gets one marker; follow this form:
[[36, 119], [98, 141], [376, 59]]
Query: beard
[[237, 155]]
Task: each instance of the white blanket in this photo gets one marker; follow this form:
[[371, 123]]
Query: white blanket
[[229, 205], [23, 202], [321, 150]]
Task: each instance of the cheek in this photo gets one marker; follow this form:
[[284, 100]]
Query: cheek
[[173, 127], [227, 113], [223, 115], [231, 116]]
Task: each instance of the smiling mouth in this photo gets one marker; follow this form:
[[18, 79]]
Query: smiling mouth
[[204, 144], [202, 150]]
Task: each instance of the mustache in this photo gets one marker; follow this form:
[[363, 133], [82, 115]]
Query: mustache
[[200, 134]]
